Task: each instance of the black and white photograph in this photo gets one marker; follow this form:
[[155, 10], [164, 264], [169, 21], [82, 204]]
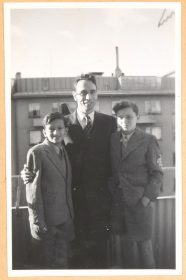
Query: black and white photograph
[[93, 138]]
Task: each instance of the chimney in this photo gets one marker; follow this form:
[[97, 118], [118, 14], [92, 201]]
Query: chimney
[[118, 71], [18, 75], [117, 57]]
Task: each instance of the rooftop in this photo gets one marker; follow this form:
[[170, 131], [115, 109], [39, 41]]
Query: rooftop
[[105, 85]]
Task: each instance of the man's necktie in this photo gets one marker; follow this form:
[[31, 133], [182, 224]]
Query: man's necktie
[[88, 127]]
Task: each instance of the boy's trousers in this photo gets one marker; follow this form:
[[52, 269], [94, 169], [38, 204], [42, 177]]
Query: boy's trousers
[[55, 245]]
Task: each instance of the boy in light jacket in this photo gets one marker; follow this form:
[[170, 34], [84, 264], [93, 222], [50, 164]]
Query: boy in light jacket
[[49, 194]]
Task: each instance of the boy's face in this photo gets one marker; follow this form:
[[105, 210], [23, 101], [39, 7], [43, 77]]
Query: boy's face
[[127, 119], [55, 131]]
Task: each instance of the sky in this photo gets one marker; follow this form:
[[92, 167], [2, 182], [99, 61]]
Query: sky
[[65, 42]]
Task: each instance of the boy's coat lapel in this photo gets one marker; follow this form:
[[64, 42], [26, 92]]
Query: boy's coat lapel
[[133, 143], [68, 167], [54, 158]]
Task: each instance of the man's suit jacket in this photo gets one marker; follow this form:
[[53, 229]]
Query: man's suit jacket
[[90, 162], [49, 195], [137, 172]]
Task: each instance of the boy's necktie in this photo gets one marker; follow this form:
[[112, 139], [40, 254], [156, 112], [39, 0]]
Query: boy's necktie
[[88, 127], [63, 160], [124, 139]]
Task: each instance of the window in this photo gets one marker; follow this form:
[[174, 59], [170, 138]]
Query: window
[[152, 107], [55, 107], [64, 107], [35, 137], [34, 110], [155, 130], [72, 106]]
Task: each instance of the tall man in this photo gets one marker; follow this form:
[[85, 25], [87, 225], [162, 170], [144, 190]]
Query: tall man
[[88, 149]]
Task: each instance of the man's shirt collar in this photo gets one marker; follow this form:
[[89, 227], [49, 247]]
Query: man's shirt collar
[[81, 117]]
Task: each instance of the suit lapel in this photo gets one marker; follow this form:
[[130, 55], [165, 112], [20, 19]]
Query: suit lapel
[[97, 120], [97, 126], [75, 129], [54, 158], [116, 147], [68, 167], [135, 141]]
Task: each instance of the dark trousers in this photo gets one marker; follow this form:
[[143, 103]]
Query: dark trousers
[[132, 254], [90, 254], [54, 248]]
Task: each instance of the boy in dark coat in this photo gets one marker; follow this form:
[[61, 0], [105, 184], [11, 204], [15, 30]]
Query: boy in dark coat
[[49, 195], [135, 183]]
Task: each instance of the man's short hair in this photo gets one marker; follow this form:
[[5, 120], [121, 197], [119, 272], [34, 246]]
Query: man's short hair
[[86, 77], [52, 117], [126, 104]]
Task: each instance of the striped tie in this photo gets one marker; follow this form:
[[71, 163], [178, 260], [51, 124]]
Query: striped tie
[[88, 127], [124, 139]]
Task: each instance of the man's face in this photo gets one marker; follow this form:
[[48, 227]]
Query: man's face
[[85, 95], [126, 119], [55, 131]]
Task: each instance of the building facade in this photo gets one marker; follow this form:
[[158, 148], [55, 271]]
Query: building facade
[[32, 98]]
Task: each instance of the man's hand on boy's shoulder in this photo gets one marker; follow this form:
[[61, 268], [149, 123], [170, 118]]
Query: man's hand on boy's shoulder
[[26, 175], [67, 139]]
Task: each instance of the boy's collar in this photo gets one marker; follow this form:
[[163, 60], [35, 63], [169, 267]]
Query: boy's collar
[[56, 147], [128, 133]]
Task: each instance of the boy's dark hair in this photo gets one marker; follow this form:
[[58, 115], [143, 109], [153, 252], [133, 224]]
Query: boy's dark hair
[[86, 77], [53, 116], [126, 104]]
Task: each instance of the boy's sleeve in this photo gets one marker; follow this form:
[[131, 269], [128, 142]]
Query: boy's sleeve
[[33, 190], [154, 165]]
